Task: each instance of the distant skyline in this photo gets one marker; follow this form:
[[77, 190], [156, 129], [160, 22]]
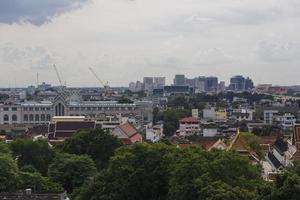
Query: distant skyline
[[125, 40]]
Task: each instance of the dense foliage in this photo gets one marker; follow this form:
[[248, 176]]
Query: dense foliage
[[36, 153], [140, 171], [166, 172], [99, 145]]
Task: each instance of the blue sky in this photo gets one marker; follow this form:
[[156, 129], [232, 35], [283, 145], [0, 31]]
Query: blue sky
[[124, 40]]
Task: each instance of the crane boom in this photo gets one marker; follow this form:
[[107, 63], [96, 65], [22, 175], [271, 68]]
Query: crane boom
[[96, 76], [57, 74]]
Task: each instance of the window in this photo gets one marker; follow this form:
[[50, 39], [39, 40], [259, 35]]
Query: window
[[30, 108], [14, 109], [25, 109], [6, 118], [37, 118], [42, 108], [43, 117], [5, 109], [48, 118], [14, 118], [31, 118], [47, 108], [25, 118], [36, 109], [88, 108]]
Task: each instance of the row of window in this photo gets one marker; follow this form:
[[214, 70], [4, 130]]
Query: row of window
[[26, 108], [99, 108], [27, 118], [71, 108], [36, 108], [36, 118]]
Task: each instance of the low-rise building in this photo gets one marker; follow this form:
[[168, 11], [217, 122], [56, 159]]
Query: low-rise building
[[189, 126], [154, 133], [128, 134]]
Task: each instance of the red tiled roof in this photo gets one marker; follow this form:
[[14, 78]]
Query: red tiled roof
[[128, 129], [189, 120], [126, 141]]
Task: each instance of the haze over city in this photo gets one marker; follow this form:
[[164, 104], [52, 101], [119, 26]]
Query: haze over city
[[125, 40]]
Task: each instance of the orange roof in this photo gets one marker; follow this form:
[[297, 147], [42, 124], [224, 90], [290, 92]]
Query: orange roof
[[128, 129], [189, 120]]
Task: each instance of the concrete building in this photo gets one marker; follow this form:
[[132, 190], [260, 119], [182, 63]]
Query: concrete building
[[154, 133], [189, 126], [67, 104], [148, 83], [239, 83], [269, 116], [159, 82], [179, 80]]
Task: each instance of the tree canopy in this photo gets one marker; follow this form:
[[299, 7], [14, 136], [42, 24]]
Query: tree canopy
[[99, 145]]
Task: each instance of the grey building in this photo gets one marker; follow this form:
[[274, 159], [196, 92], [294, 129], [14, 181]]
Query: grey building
[[179, 80]]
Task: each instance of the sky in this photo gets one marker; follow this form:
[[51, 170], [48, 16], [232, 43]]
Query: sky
[[125, 40]]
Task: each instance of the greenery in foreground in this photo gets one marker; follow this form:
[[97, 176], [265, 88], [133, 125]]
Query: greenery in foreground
[[87, 168]]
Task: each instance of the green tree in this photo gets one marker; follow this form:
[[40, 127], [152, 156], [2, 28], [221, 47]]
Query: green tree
[[4, 148], [179, 102], [135, 172], [171, 118], [8, 174], [38, 183], [36, 153], [99, 145], [143, 171], [71, 171]]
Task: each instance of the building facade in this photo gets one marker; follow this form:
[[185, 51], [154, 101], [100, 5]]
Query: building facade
[[70, 105]]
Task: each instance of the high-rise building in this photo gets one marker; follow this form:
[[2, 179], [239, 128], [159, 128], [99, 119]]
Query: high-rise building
[[148, 83], [159, 82], [179, 80], [200, 84], [132, 86], [211, 84], [239, 83]]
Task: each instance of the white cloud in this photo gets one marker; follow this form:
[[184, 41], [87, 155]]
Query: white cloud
[[125, 40]]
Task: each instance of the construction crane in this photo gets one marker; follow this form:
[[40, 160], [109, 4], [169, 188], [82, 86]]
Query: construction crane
[[105, 85], [57, 74]]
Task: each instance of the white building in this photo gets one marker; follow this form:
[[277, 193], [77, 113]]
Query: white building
[[189, 126], [269, 116], [154, 133], [66, 104]]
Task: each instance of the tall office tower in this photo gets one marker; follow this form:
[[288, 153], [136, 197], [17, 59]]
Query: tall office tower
[[211, 84], [179, 80], [132, 86], [148, 83], [159, 82], [239, 83], [200, 84]]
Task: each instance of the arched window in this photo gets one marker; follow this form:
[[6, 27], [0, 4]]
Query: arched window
[[14, 118], [6, 118], [25, 118], [37, 118], [31, 117]]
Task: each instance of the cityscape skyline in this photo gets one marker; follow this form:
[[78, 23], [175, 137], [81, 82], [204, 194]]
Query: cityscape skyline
[[124, 40]]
